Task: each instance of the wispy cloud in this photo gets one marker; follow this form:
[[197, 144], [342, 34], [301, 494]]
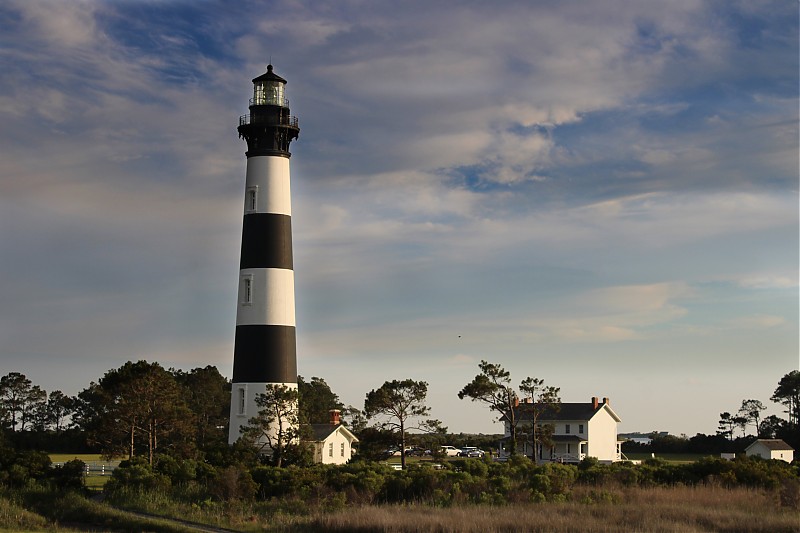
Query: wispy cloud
[[589, 180]]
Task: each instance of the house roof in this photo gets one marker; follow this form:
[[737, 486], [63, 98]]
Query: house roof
[[567, 411], [323, 431], [772, 444], [567, 438]]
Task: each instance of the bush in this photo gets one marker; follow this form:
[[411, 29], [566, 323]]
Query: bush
[[69, 475], [136, 474], [234, 483]]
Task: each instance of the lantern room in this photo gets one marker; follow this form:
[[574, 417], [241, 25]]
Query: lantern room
[[268, 89]]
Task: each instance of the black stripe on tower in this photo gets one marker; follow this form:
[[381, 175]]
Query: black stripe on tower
[[265, 354], [266, 241]]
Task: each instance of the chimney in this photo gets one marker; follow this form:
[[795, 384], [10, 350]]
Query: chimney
[[594, 402], [605, 401], [335, 416], [516, 401]]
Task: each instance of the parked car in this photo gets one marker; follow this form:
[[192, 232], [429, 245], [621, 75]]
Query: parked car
[[471, 451], [450, 451], [390, 452]]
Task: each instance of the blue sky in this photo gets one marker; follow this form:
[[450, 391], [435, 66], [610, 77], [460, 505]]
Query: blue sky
[[601, 194]]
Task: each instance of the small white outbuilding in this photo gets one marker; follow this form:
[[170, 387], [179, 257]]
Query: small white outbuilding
[[333, 442], [771, 449]]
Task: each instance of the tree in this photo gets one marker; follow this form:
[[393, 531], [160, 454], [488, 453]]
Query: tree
[[493, 388], [401, 404], [138, 407], [726, 425], [741, 423], [59, 407], [275, 429], [316, 400], [354, 419], [17, 396], [33, 403], [788, 394], [544, 399], [771, 426], [208, 395], [55, 411], [751, 412]]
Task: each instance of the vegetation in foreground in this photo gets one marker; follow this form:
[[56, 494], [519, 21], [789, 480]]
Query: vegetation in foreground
[[180, 465], [476, 495], [658, 509]]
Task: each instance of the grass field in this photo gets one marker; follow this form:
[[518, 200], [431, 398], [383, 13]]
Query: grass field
[[682, 509], [95, 478], [64, 457]]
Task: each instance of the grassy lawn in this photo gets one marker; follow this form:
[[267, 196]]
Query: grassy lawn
[[64, 457], [95, 479]]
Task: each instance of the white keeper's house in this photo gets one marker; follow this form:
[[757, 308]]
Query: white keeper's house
[[580, 430], [333, 442]]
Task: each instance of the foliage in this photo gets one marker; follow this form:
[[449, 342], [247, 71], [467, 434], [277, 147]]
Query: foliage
[[208, 395], [544, 399], [138, 408], [750, 412], [68, 476], [399, 404], [787, 393], [316, 400], [276, 427], [492, 387], [19, 400], [136, 473]]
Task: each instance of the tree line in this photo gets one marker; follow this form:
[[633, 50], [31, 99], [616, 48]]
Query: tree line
[[144, 410]]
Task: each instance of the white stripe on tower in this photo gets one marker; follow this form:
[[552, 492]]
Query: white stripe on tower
[[265, 345]]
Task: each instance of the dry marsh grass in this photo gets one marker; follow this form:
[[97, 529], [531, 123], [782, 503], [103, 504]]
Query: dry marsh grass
[[678, 509]]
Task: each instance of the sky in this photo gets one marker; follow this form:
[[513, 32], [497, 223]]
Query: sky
[[600, 194]]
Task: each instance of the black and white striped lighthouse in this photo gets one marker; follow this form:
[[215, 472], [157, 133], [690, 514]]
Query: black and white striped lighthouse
[[264, 351]]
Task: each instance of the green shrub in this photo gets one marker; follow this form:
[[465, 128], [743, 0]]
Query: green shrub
[[137, 474], [69, 475]]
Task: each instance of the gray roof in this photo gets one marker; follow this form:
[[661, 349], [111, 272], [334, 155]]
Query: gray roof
[[323, 431], [568, 411], [773, 444]]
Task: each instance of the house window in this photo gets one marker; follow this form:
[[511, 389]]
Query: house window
[[569, 448], [330, 449], [247, 290], [251, 199], [566, 429], [343, 449], [242, 398], [580, 429]]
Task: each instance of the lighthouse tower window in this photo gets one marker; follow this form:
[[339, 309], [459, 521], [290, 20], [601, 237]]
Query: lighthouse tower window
[[251, 200], [242, 397], [247, 290]]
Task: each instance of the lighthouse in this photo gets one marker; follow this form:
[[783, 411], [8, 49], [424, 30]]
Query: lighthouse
[[264, 350]]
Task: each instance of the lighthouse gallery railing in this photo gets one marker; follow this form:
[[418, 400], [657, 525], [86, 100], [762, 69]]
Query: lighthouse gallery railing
[[277, 120]]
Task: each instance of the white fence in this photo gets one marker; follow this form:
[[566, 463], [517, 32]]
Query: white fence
[[96, 468]]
